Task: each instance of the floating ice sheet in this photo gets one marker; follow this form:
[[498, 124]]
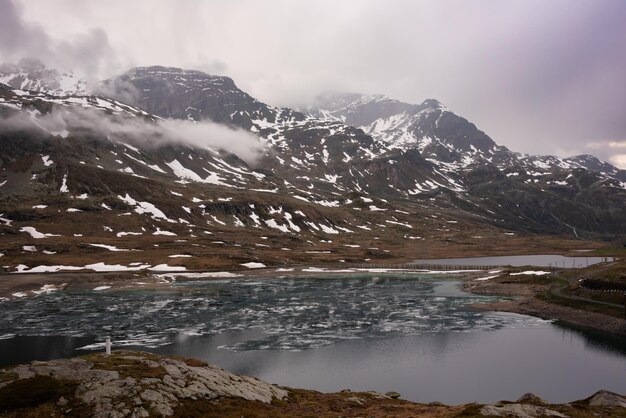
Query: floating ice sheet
[[291, 314]]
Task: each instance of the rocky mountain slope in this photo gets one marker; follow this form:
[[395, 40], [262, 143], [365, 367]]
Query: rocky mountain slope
[[386, 148], [75, 189], [367, 178], [536, 192]]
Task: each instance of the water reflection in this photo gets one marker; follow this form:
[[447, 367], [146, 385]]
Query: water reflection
[[594, 340]]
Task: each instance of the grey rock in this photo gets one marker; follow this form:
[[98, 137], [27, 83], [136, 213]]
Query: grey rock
[[355, 399], [531, 398], [152, 396], [162, 409], [606, 398], [111, 396], [97, 391], [150, 363], [173, 371], [140, 413], [393, 395], [519, 411]]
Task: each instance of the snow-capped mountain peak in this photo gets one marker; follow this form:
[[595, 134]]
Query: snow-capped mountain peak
[[33, 75], [430, 127]]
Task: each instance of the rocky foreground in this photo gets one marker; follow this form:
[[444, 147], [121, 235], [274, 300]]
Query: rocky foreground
[[137, 384]]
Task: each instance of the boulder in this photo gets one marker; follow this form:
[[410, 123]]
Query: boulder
[[531, 398], [519, 411], [606, 398], [393, 395]]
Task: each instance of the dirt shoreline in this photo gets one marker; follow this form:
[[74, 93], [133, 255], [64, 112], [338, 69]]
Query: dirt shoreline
[[541, 309], [526, 302]]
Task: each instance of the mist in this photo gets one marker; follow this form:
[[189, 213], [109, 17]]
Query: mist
[[138, 131], [88, 52], [539, 77]]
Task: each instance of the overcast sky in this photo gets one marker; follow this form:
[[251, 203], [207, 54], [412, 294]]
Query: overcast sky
[[538, 76]]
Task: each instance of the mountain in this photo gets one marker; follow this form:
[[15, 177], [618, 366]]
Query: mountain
[[429, 127], [74, 193], [33, 75], [94, 181], [317, 156], [382, 147], [438, 133], [565, 193]]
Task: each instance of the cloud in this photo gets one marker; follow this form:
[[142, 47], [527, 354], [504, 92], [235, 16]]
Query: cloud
[[615, 144], [212, 135], [134, 129], [611, 151], [537, 76], [619, 161], [119, 89], [88, 53]]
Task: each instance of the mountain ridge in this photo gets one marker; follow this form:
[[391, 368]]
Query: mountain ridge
[[321, 189]]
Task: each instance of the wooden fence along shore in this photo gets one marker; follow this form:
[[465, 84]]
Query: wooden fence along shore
[[436, 267], [446, 267]]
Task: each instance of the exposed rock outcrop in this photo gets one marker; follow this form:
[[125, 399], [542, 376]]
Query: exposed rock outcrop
[[606, 398], [519, 410], [135, 384]]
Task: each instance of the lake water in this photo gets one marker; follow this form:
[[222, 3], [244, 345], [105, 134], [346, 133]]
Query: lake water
[[416, 335], [538, 260]]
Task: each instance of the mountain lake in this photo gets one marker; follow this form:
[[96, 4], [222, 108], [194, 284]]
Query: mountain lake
[[415, 334]]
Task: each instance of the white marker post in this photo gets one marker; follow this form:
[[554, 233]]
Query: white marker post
[[107, 345]]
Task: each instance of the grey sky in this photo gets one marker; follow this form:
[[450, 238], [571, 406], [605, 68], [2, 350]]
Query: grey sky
[[538, 76]]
